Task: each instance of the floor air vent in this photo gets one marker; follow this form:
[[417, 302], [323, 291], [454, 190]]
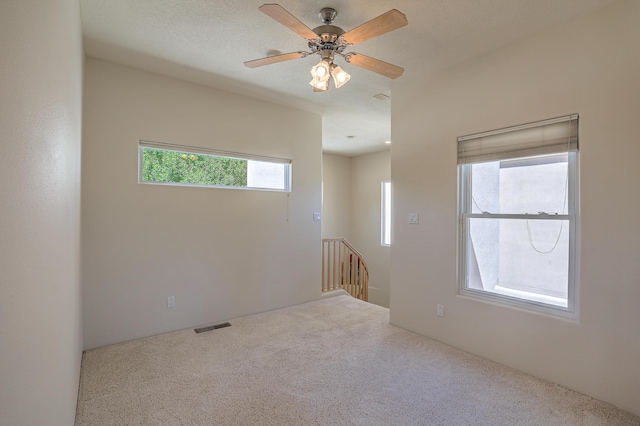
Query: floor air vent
[[212, 327]]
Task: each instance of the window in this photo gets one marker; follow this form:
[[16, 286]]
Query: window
[[517, 207], [166, 164], [386, 213]]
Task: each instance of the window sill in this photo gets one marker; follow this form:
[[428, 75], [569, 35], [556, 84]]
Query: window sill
[[521, 305]]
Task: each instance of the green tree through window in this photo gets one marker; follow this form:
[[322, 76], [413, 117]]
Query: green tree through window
[[161, 165]]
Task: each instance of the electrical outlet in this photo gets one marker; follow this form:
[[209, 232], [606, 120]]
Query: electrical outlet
[[413, 218], [316, 216], [440, 310], [171, 302]]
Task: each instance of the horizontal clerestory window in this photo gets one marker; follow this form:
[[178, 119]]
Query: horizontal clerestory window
[[169, 164]]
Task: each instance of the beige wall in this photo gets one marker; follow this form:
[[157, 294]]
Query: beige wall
[[336, 196], [367, 173], [40, 128], [221, 252], [589, 66]]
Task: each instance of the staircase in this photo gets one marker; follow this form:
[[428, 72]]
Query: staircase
[[343, 268]]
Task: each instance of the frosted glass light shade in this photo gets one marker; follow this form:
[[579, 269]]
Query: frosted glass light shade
[[340, 76]]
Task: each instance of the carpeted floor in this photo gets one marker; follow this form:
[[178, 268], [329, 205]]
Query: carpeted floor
[[336, 361]]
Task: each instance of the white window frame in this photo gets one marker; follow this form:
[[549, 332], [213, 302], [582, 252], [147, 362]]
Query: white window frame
[[465, 206], [385, 213], [215, 153]]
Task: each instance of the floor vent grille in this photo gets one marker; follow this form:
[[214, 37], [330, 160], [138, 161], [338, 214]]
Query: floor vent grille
[[212, 327]]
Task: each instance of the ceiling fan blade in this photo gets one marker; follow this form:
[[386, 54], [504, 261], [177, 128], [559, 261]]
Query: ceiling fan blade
[[278, 13], [375, 65], [392, 20], [275, 59]]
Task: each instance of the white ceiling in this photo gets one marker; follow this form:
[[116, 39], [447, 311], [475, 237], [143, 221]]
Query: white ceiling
[[207, 41]]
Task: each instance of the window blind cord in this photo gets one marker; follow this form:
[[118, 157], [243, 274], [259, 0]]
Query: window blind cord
[[554, 245], [561, 223], [476, 204], [564, 205]]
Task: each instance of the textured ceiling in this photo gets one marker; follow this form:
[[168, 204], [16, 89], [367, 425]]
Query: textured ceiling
[[207, 41]]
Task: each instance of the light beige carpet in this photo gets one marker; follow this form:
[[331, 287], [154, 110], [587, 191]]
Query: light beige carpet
[[336, 361]]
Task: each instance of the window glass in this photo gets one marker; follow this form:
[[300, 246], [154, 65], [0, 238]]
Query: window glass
[[518, 230], [386, 213], [171, 165], [521, 258], [529, 185], [263, 174]]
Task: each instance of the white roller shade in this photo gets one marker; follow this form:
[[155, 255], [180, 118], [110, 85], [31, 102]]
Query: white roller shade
[[553, 136], [208, 151]]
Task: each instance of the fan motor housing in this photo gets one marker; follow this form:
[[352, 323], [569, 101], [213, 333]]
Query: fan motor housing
[[328, 33], [329, 36]]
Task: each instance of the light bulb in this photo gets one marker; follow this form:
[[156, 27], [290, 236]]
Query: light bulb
[[320, 71]]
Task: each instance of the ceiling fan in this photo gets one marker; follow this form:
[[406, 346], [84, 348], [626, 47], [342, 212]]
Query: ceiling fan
[[327, 40]]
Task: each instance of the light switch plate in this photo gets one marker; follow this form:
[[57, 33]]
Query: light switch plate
[[413, 218]]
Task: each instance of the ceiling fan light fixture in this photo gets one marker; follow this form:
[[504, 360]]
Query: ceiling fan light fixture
[[321, 71], [320, 86], [340, 76]]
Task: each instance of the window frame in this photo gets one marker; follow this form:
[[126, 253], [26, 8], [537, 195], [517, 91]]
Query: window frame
[[214, 153], [385, 220], [465, 214]]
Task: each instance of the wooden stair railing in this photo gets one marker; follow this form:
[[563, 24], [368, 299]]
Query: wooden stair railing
[[344, 268]]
